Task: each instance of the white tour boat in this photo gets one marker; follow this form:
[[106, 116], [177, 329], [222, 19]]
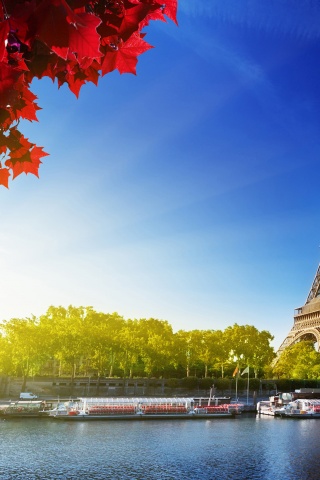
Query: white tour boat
[[138, 409], [302, 408]]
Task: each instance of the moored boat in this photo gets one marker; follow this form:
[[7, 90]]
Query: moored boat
[[302, 408], [302, 403], [266, 407], [138, 409], [275, 405], [23, 408]]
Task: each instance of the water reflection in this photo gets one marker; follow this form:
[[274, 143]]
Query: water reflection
[[246, 448]]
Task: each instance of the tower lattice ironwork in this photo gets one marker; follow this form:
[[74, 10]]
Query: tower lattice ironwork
[[306, 319]]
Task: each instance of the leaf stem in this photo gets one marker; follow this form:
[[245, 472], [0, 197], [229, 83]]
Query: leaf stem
[[5, 10]]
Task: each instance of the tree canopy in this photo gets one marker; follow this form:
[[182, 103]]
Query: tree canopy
[[77, 341], [71, 41], [300, 360]]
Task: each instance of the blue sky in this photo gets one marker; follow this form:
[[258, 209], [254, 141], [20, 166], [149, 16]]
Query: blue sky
[[188, 193]]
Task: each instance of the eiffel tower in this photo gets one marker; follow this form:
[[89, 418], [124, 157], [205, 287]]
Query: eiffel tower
[[306, 319]]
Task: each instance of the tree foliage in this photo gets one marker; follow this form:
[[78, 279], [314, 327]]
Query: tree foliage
[[77, 341], [70, 41], [250, 346], [299, 360]]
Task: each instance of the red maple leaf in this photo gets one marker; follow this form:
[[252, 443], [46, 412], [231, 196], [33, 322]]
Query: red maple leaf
[[9, 76], [4, 32], [170, 9], [4, 177], [75, 80], [18, 144], [50, 25], [20, 15], [155, 15], [27, 110], [84, 39], [29, 162], [42, 62], [124, 56], [132, 18], [92, 73], [3, 143]]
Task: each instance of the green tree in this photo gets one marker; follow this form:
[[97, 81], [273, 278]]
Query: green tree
[[222, 350], [299, 360], [249, 346], [6, 365], [25, 345], [207, 349], [131, 338], [214, 350], [188, 346], [103, 336], [68, 327], [157, 347]]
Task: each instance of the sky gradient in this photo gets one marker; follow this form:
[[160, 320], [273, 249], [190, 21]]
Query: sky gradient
[[188, 193]]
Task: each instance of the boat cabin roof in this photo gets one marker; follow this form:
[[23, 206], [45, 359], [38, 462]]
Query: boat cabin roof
[[135, 400]]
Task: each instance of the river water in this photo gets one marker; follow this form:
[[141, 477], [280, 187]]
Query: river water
[[248, 447]]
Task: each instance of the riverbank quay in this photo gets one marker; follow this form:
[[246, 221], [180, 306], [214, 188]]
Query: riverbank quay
[[66, 387]]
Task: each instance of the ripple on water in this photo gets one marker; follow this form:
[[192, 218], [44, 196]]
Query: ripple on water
[[244, 448]]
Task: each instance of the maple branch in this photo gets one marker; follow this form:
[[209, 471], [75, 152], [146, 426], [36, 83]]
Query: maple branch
[[71, 41]]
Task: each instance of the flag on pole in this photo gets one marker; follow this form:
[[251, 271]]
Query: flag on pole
[[235, 371], [246, 370]]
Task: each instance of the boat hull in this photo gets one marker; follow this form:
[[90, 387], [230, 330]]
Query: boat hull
[[301, 416], [208, 416]]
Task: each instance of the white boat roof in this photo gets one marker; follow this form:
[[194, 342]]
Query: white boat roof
[[310, 401], [135, 400]]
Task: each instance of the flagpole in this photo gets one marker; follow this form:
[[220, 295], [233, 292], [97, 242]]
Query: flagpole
[[237, 376], [247, 370]]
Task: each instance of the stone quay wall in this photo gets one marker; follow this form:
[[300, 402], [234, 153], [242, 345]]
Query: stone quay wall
[[64, 387]]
